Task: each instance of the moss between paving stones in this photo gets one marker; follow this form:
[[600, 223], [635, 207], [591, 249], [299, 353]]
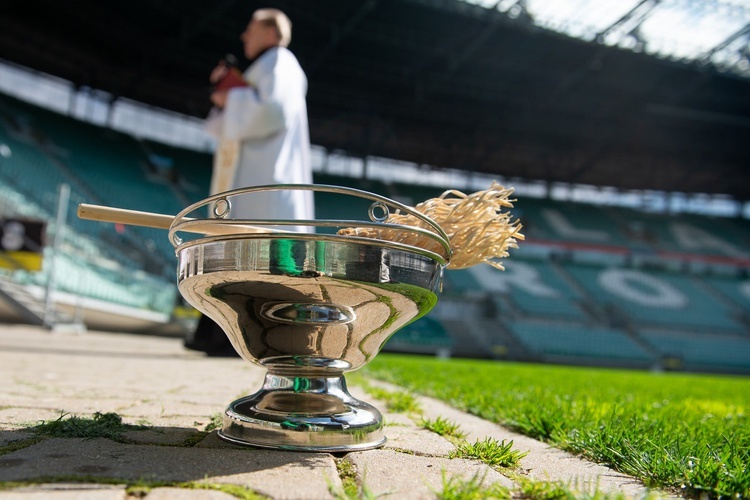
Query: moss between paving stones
[[101, 425], [350, 488], [348, 476], [217, 420], [19, 445], [194, 439], [105, 425]]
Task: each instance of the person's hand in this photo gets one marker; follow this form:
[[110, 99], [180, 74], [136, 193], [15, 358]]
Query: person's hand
[[219, 98], [219, 72]]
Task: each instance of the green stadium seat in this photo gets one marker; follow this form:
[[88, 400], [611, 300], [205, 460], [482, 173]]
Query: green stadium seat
[[698, 351], [460, 281], [736, 290], [656, 298], [426, 335], [535, 288], [557, 340]]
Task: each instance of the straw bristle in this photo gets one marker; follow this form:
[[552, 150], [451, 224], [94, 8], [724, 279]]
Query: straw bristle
[[478, 229]]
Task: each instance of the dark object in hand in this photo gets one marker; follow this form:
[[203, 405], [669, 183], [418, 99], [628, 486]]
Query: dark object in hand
[[232, 79]]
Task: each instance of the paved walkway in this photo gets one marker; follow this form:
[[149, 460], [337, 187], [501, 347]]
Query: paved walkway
[[173, 394]]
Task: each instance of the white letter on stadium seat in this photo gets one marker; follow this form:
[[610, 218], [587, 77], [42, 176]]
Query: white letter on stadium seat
[[745, 289], [694, 238], [564, 228], [658, 293], [516, 274]]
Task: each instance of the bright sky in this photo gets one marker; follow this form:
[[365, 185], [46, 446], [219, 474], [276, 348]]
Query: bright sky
[[706, 31]]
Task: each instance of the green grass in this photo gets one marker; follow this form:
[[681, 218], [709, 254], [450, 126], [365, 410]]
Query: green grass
[[350, 488], [217, 421], [545, 490], [396, 401], [457, 488], [443, 427], [681, 431], [490, 451]]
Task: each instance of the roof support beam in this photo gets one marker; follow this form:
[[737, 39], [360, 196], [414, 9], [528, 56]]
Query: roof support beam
[[724, 44], [627, 17]]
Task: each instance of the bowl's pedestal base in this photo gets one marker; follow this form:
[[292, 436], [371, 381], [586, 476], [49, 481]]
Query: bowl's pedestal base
[[308, 413]]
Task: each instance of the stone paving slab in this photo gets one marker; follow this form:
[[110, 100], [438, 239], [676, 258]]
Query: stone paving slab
[[177, 393], [64, 491], [277, 474], [183, 494], [417, 442], [387, 473], [162, 436], [9, 435]]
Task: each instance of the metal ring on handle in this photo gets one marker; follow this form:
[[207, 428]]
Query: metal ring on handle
[[221, 208], [435, 232], [378, 218]]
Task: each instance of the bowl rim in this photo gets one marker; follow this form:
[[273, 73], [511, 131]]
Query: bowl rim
[[432, 230], [333, 238]]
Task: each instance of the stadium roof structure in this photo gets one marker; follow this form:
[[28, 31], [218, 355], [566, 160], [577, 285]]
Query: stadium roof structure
[[502, 87]]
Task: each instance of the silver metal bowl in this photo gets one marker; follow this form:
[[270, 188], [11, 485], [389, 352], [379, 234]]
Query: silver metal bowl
[[308, 308]]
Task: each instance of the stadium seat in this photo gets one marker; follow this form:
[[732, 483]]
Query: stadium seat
[[656, 298], [556, 340], [716, 352], [535, 288], [736, 290], [426, 335]]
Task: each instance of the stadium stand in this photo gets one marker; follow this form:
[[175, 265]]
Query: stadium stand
[[45, 150], [590, 285], [700, 352], [534, 289], [574, 343], [735, 293], [426, 335], [190, 171], [656, 298], [100, 165], [548, 222], [460, 281]]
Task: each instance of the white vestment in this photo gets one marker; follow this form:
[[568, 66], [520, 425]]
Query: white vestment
[[263, 138]]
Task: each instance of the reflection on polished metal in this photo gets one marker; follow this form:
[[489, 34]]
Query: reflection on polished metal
[[307, 307], [304, 413]]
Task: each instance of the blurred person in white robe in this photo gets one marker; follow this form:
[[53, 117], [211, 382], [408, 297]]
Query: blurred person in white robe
[[260, 122]]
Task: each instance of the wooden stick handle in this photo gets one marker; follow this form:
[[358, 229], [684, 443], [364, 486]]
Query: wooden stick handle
[[160, 221], [123, 216]]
